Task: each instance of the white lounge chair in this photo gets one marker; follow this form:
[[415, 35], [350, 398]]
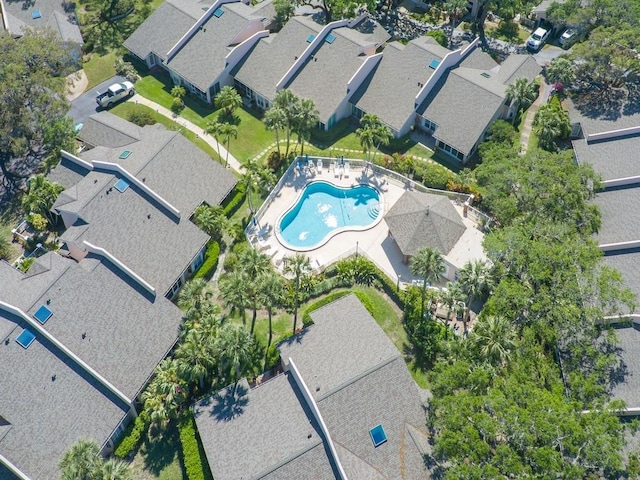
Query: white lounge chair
[[336, 172], [319, 166], [346, 169]]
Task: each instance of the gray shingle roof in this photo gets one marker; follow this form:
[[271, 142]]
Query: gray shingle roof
[[52, 16], [108, 130], [616, 158], [325, 74], [597, 118], [390, 90], [248, 432], [620, 215], [517, 66], [367, 32], [331, 339], [50, 404], [420, 220], [271, 57], [628, 386], [162, 30], [202, 58], [628, 264]]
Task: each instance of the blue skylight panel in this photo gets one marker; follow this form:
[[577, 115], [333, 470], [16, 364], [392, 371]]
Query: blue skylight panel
[[26, 338], [434, 64], [310, 38], [378, 436], [36, 14], [330, 38], [43, 314], [121, 185], [125, 154], [218, 13]]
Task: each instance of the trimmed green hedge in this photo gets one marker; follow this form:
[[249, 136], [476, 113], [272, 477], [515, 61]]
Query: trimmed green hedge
[[306, 317], [210, 260], [132, 437], [193, 456], [364, 299], [234, 200]]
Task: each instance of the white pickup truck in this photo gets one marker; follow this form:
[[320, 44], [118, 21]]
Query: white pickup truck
[[115, 93]]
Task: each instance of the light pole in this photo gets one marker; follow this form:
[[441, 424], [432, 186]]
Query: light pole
[[356, 249]]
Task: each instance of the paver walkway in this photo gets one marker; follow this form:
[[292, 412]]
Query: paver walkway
[[222, 152], [527, 126]]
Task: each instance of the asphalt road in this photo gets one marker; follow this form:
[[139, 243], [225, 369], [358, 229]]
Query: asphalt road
[[85, 105]]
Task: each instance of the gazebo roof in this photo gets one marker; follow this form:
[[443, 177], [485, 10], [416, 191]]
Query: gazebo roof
[[419, 220]]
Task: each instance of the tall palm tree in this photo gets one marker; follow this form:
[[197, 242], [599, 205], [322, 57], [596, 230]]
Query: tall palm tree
[[165, 395], [228, 99], [236, 347], [455, 9], [114, 469], [227, 131], [253, 264], [196, 357], [307, 117], [428, 265], [214, 128], [270, 296], [367, 140], [452, 296], [493, 339], [194, 294], [476, 281], [41, 196], [300, 267], [234, 294], [275, 119], [522, 93], [286, 100], [561, 70], [382, 136], [81, 461], [256, 178], [212, 220], [551, 124]]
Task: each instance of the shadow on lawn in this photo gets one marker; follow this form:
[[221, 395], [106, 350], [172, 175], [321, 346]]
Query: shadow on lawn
[[159, 454]]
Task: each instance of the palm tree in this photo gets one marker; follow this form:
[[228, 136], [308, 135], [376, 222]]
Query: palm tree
[[452, 297], [428, 265], [194, 294], [476, 281], [256, 178], [287, 101], [522, 93], [234, 294], [41, 196], [551, 124], [382, 136], [270, 296], [228, 99], [367, 139], [236, 347], [214, 128], [275, 119], [455, 9], [307, 118], [81, 461], [114, 469], [561, 70], [196, 358], [253, 264], [164, 396], [493, 338], [227, 131], [299, 266], [212, 220]]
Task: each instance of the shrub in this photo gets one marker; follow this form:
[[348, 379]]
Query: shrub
[[141, 117], [234, 200], [26, 264], [132, 437], [177, 105], [127, 70], [432, 175], [439, 36], [38, 222], [195, 462], [178, 92], [275, 161], [366, 301], [332, 297], [210, 260]]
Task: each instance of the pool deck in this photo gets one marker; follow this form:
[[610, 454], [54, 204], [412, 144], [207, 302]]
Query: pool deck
[[375, 242]]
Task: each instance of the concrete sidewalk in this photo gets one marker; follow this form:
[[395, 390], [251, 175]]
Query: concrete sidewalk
[[527, 126], [222, 152]]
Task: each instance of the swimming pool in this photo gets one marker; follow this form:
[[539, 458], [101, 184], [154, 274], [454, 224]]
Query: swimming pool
[[324, 210]]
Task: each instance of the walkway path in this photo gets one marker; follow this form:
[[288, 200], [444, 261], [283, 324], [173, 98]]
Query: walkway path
[[222, 152], [527, 126]]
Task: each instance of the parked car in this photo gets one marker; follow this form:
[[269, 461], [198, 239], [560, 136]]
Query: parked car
[[537, 39], [115, 93], [568, 37]]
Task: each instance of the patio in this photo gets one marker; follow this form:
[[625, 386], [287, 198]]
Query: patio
[[374, 243]]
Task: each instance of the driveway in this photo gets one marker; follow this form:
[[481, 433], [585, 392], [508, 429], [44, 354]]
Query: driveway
[[85, 105], [548, 53]]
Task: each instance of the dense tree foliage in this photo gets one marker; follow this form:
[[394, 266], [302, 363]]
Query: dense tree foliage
[[337, 9], [33, 119]]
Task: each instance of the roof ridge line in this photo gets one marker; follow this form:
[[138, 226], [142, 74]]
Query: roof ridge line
[[287, 460]]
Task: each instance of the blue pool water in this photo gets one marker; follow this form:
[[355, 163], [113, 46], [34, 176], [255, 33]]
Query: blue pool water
[[324, 210]]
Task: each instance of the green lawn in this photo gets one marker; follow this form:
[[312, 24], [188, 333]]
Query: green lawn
[[124, 109], [159, 460], [99, 68]]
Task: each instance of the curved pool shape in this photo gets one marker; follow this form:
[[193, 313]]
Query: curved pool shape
[[324, 210]]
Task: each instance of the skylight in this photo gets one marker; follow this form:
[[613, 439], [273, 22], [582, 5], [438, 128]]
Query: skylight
[[121, 185], [36, 14], [485, 75], [434, 64], [310, 38], [218, 13], [125, 154], [43, 314], [378, 436], [26, 338], [330, 38]]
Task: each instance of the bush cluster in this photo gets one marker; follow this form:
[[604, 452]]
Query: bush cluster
[[141, 117], [234, 200], [430, 174], [210, 260], [195, 463], [132, 437]]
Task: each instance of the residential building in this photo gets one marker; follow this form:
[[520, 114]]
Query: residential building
[[134, 196], [345, 407]]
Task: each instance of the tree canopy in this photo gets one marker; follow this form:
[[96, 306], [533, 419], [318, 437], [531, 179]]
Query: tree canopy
[[33, 119]]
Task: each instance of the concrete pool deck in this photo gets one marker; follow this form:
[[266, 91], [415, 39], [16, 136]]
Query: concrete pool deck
[[375, 242]]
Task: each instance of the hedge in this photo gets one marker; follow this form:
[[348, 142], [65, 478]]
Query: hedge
[[234, 200], [193, 457], [132, 437], [210, 260], [332, 297]]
